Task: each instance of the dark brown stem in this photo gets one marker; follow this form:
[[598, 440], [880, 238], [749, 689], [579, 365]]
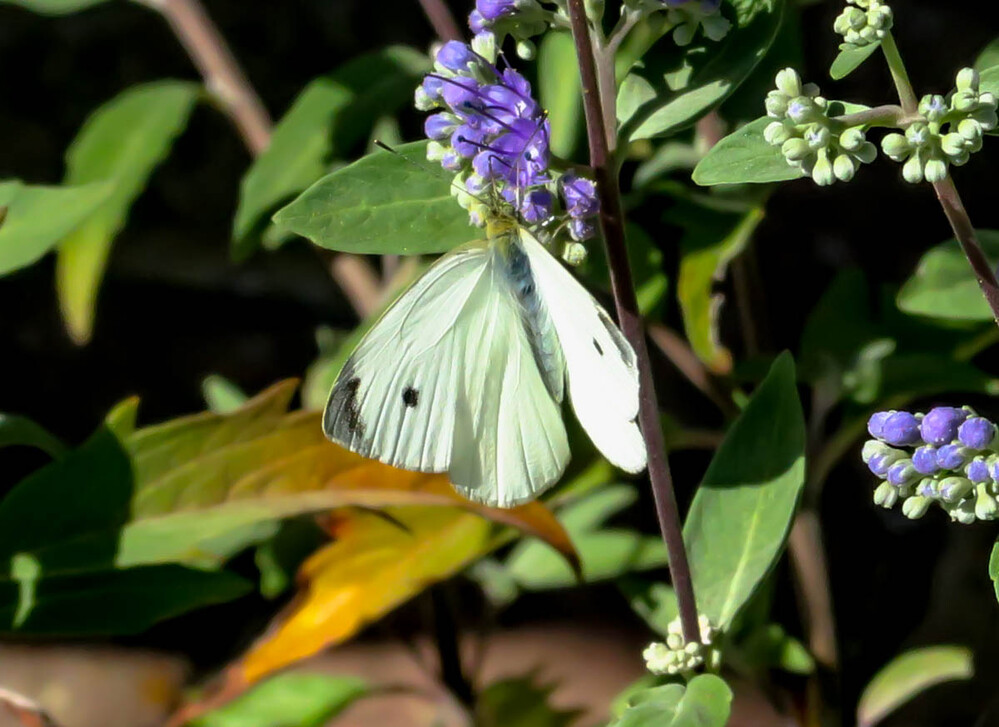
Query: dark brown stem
[[452, 674], [224, 78], [964, 231], [441, 19], [612, 225]]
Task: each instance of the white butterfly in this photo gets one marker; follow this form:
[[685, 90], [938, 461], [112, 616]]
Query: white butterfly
[[465, 374]]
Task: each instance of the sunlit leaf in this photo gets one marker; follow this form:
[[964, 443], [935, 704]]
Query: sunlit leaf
[[559, 91], [121, 143], [327, 120], [989, 56], [373, 566], [909, 674], [384, 203], [704, 702], [37, 218], [288, 700], [742, 511], [21, 431], [994, 568], [676, 86], [710, 241], [944, 286]]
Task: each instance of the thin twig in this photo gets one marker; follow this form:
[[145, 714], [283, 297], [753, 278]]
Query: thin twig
[[612, 224], [812, 576], [223, 77], [441, 19], [359, 282], [26, 711]]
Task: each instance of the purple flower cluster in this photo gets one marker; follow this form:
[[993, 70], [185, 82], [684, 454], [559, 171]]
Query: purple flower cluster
[[521, 19], [489, 130], [947, 455]]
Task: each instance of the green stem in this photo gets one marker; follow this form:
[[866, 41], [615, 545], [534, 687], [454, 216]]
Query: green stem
[[899, 75]]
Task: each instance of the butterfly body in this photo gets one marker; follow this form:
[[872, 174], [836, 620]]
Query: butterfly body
[[466, 373]]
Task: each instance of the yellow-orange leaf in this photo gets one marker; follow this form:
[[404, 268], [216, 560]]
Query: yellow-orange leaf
[[373, 566]]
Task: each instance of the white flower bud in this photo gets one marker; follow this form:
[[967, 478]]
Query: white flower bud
[[789, 82], [915, 507], [986, 507], [896, 146], [967, 80], [844, 167], [776, 133], [776, 104], [822, 171], [935, 170], [886, 495], [912, 170], [526, 49], [574, 253], [795, 150]]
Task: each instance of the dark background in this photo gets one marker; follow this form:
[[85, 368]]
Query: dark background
[[173, 309]]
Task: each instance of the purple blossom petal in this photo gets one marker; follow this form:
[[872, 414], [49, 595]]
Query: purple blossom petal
[[439, 126], [901, 429], [580, 195], [978, 470], [876, 424], [952, 457], [940, 424], [924, 459], [455, 56], [977, 433], [537, 205], [492, 9], [581, 230]]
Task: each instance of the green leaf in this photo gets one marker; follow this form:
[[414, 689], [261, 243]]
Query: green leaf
[[37, 218], [221, 395], [331, 116], [849, 60], [742, 511], [54, 7], [58, 572], [520, 702], [654, 602], [121, 144], [908, 675], [679, 85], [711, 240], [21, 431], [989, 56], [384, 203], [559, 91], [745, 156], [605, 552], [289, 700], [994, 568], [989, 80], [770, 646], [944, 285], [705, 702]]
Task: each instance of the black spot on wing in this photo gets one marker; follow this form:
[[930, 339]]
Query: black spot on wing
[[410, 397], [596, 345]]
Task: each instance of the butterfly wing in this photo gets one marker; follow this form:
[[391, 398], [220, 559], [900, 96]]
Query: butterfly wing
[[446, 382], [601, 368]]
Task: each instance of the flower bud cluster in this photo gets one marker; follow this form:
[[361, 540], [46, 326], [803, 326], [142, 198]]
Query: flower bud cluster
[[492, 20], [820, 146], [863, 22], [493, 135], [675, 656], [947, 132], [948, 455]]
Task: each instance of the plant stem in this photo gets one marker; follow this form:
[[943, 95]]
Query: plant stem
[[889, 115], [224, 78], [441, 19], [947, 194], [906, 95], [612, 225], [452, 674]]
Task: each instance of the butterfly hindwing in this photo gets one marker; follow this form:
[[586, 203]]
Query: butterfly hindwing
[[601, 369]]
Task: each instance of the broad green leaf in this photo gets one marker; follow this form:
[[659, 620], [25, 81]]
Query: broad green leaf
[[989, 80], [705, 702], [221, 395], [994, 568], [654, 602], [677, 86], [988, 57], [559, 91], [21, 431], [742, 511], [37, 218], [384, 203], [54, 7], [288, 700], [744, 156], [944, 285], [909, 674], [328, 119], [120, 144], [711, 240], [520, 702], [847, 61], [605, 552]]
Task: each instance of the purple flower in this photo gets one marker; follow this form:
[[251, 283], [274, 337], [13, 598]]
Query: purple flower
[[902, 473], [537, 205], [952, 456], [924, 459], [580, 195], [940, 424], [900, 429], [490, 10], [876, 424], [476, 22], [580, 230], [977, 433], [440, 126], [455, 56], [977, 470]]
